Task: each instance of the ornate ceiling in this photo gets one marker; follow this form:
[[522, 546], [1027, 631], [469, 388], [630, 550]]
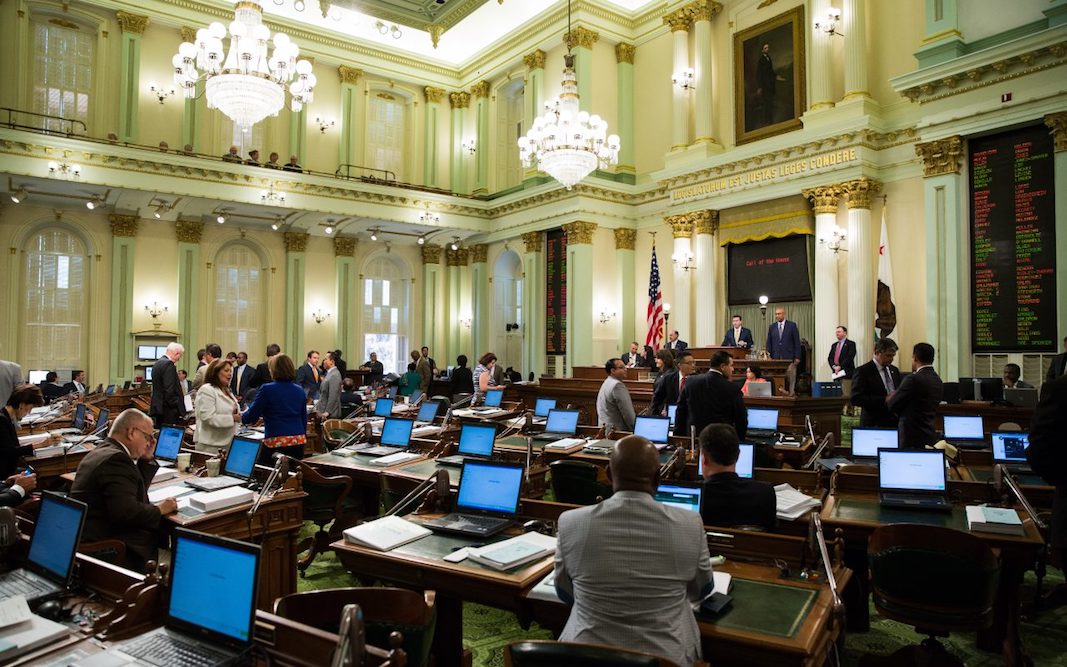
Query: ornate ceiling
[[418, 14]]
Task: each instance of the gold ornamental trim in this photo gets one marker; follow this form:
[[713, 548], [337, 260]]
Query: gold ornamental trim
[[349, 74], [535, 60], [705, 221], [624, 53], [1057, 122], [457, 257], [533, 241], [431, 254], [625, 239], [480, 89], [679, 20], [189, 231], [188, 34], [579, 232], [479, 253], [681, 225], [823, 198], [459, 100], [581, 38], [296, 241], [132, 23], [123, 225], [704, 10], [433, 95], [344, 246], [858, 192], [435, 33], [943, 156]]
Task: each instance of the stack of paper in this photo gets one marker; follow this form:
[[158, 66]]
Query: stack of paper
[[33, 439], [792, 504], [566, 445], [21, 631], [388, 532], [514, 552], [994, 520]]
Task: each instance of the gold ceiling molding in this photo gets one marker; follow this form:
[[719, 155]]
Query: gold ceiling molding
[[123, 225], [581, 38], [460, 257], [189, 231], [823, 198], [349, 74], [535, 60], [296, 241], [188, 34], [579, 232], [479, 253], [625, 239], [681, 225], [132, 23], [431, 254], [344, 246], [858, 192], [624, 53], [460, 99], [703, 10], [435, 34], [705, 221], [1057, 122], [943, 156], [533, 241], [480, 89], [580, 190], [434, 95]]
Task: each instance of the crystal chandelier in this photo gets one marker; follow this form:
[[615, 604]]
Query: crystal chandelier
[[246, 82], [565, 142]]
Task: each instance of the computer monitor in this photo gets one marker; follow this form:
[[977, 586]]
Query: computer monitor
[[672, 410], [160, 351], [762, 419], [655, 429], [148, 373], [415, 396], [396, 432], [744, 465], [383, 407], [37, 377], [55, 537], [489, 487], [867, 441], [679, 495], [1009, 446], [169, 443], [146, 352], [911, 470], [428, 411], [476, 439], [79, 417], [543, 405], [562, 421], [963, 427], [110, 390], [101, 422], [493, 397], [241, 459], [988, 389]]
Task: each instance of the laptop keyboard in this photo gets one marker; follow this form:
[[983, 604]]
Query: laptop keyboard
[[162, 649], [473, 519], [18, 584]]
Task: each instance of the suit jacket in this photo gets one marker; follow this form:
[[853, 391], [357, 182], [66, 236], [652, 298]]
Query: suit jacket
[[10, 450], [868, 393], [640, 363], [305, 377], [1047, 452], [214, 419], [677, 346], [746, 336], [246, 374], [425, 371], [848, 357], [709, 398], [52, 391], [785, 346], [915, 403], [10, 377], [1057, 368], [643, 608], [614, 406], [9, 497], [74, 387], [665, 392], [729, 500], [168, 401], [330, 396], [376, 371], [116, 491], [261, 376]]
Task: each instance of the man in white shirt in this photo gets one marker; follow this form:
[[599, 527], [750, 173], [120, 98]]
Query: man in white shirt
[[675, 345], [76, 384], [614, 408], [242, 376]]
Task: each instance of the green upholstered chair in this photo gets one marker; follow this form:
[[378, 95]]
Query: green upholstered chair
[[936, 579], [327, 501], [570, 654], [336, 431], [385, 610], [575, 482]]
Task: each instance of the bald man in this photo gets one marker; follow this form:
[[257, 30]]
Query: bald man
[[631, 566]]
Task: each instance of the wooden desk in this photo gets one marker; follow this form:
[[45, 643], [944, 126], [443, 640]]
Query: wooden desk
[[992, 415]]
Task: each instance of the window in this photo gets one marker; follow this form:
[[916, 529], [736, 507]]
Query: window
[[56, 273], [386, 133], [386, 294], [62, 71], [239, 306]]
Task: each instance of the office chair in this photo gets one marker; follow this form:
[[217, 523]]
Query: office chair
[[327, 501], [575, 482], [544, 653]]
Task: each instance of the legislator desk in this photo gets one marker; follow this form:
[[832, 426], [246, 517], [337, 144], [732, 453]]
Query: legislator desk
[[123, 398], [51, 469], [992, 415], [977, 465]]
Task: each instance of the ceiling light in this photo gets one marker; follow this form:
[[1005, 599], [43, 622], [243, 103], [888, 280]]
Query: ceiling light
[[422, 239], [92, 203], [455, 243], [18, 195], [382, 28], [158, 216], [374, 235], [274, 226], [299, 5], [221, 219], [329, 230]]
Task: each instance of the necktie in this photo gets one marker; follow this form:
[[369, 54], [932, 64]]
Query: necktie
[[837, 354], [781, 326], [237, 383], [681, 386], [888, 380], [315, 371]]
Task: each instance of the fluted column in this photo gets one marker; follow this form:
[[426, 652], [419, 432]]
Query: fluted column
[[133, 26], [579, 302], [1057, 122], [123, 244], [480, 91], [295, 267], [430, 144], [466, 309], [192, 109], [827, 306], [625, 240], [348, 151], [624, 56], [480, 308], [433, 300], [188, 316], [459, 101], [581, 43], [862, 264], [854, 26], [679, 21], [533, 303], [820, 77], [533, 94], [706, 313], [682, 303], [348, 338], [704, 114]]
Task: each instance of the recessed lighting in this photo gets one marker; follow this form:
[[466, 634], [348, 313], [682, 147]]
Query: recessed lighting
[[221, 219], [329, 230], [422, 240]]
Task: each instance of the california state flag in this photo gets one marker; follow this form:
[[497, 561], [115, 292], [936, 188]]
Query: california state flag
[[885, 316]]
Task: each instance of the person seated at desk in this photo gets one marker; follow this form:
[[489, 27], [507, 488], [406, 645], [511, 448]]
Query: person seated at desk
[[461, 380], [374, 368], [350, 397], [409, 381], [643, 608], [50, 388], [729, 500], [113, 481], [24, 398], [752, 374], [283, 406], [1011, 375], [14, 489]]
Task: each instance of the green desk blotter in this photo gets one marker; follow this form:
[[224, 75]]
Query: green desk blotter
[[519, 442], [855, 509], [438, 545], [429, 466], [766, 608]]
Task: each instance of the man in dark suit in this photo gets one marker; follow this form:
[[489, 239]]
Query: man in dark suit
[[873, 382], [1048, 457], [729, 500], [76, 384], [675, 345], [842, 356], [633, 358], [738, 336], [783, 342], [307, 376], [262, 374], [50, 388], [113, 481], [711, 398], [241, 381], [669, 388], [1058, 367], [168, 401], [915, 401]]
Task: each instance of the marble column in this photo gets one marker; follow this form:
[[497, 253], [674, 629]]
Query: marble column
[[581, 42], [625, 241], [133, 26], [624, 56], [827, 306], [533, 94], [946, 274], [1057, 122], [295, 267], [430, 140], [348, 147], [194, 106], [704, 113], [679, 21], [454, 340], [459, 101], [123, 244], [862, 265], [433, 300], [681, 301], [821, 83], [707, 308], [579, 293], [348, 338], [481, 314], [533, 303], [854, 27], [189, 306], [480, 91]]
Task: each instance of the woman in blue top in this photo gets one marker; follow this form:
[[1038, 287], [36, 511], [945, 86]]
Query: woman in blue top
[[283, 406]]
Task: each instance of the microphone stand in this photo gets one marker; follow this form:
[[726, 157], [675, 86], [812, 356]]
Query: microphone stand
[[1002, 476], [838, 606], [417, 493], [280, 471], [810, 463]]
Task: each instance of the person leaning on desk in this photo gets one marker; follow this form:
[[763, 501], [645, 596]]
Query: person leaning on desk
[[24, 398], [283, 406]]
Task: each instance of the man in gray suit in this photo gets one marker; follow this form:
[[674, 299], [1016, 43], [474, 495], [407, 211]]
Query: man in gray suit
[[10, 377], [613, 405], [603, 556], [329, 403]]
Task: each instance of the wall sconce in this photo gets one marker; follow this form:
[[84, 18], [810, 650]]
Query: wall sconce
[[829, 24], [835, 240], [606, 317], [155, 310], [320, 316], [161, 93], [64, 170], [272, 198], [324, 124], [684, 261], [686, 79], [465, 322], [470, 146]]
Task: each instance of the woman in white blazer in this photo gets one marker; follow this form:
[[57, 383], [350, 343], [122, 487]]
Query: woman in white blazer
[[216, 409]]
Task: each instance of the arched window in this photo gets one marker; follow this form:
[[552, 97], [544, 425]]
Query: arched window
[[55, 277], [239, 302], [386, 320], [64, 54], [387, 133]]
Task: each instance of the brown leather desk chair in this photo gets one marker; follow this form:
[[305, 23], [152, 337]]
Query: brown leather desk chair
[[544, 653], [327, 501]]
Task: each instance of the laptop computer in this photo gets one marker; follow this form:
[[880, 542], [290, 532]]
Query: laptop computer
[[428, 411], [541, 408], [680, 494], [110, 389], [126, 385], [762, 423], [913, 479], [964, 431], [391, 393], [560, 424], [761, 389], [654, 429], [744, 464], [1009, 448], [76, 424], [867, 441], [168, 445], [50, 565], [487, 501], [672, 411], [396, 434], [475, 441], [212, 607], [383, 407], [1020, 398], [491, 400], [240, 463]]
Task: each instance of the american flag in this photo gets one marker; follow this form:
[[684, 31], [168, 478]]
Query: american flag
[[655, 306]]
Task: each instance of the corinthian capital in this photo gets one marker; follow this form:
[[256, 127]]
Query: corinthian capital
[[824, 198], [943, 156]]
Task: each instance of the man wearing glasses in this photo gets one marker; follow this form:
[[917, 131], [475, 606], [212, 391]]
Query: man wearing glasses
[[113, 481], [614, 409]]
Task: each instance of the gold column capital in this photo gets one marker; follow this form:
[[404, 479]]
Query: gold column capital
[[581, 38], [703, 10], [579, 232], [533, 241], [189, 231], [123, 225], [132, 23], [705, 221], [344, 246], [1057, 122], [459, 100], [479, 253], [480, 89], [431, 254], [823, 198], [535, 60], [296, 241], [457, 257], [624, 53], [679, 20], [434, 95], [858, 192], [188, 34], [943, 156], [681, 225], [625, 239], [348, 74]]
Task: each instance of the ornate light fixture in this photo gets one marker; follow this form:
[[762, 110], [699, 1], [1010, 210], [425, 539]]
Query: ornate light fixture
[[320, 316], [565, 142], [155, 310], [271, 197], [470, 146], [64, 170], [324, 124], [161, 93], [245, 82], [684, 261], [834, 242], [685, 80], [829, 24], [427, 218], [606, 317]]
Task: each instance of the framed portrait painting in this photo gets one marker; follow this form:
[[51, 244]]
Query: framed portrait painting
[[769, 82]]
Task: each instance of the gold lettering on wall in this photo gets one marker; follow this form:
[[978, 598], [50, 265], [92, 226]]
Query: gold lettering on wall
[[773, 172]]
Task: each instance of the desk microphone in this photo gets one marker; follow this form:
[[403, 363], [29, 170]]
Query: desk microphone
[[279, 472]]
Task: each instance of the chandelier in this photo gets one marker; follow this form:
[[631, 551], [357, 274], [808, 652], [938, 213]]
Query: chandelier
[[245, 82], [565, 142]]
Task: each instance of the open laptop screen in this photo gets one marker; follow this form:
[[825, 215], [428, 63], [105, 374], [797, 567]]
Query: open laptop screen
[[677, 495], [763, 419], [396, 432], [428, 410], [653, 428], [101, 422], [170, 441], [241, 460], [1010, 447], [543, 405], [383, 407], [79, 417], [489, 487], [213, 586], [744, 461], [909, 470], [672, 410], [55, 538], [476, 439], [493, 398], [963, 428], [867, 441], [562, 421]]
